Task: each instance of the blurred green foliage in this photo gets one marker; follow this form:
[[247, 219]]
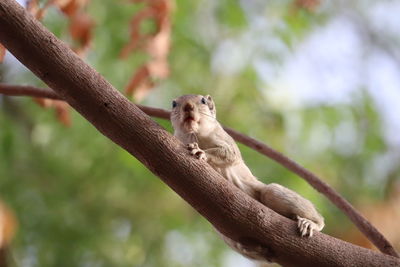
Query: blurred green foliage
[[82, 201]]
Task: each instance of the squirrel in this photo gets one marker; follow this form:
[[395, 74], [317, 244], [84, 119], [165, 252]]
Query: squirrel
[[195, 124]]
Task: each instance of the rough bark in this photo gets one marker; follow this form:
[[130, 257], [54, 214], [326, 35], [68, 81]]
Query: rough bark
[[231, 211]]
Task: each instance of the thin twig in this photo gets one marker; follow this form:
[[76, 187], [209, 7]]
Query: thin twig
[[25, 90], [357, 218]]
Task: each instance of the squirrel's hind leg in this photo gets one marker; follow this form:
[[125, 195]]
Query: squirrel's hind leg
[[291, 205]]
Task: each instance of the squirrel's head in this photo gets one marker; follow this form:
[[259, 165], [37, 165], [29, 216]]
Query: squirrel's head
[[193, 113]]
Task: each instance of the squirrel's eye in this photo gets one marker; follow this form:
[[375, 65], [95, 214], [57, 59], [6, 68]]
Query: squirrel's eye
[[204, 101], [174, 104]]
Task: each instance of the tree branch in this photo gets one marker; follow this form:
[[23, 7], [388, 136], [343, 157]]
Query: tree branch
[[26, 90], [358, 219], [230, 210]]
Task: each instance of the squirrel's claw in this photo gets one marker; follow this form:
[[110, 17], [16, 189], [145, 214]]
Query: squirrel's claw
[[306, 226], [192, 146], [201, 155], [196, 151]]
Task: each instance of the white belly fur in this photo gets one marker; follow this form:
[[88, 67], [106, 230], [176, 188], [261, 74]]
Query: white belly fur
[[240, 175]]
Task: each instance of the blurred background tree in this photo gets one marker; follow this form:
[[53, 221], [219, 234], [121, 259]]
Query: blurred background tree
[[316, 80]]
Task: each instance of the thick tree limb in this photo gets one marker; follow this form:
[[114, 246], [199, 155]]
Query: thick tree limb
[[363, 224], [231, 211]]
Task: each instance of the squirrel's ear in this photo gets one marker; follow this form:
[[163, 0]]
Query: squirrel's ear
[[210, 104]]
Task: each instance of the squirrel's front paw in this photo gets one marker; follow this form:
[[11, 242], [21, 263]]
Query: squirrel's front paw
[[196, 151], [306, 226]]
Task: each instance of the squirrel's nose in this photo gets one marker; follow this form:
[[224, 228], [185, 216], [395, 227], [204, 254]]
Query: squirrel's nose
[[188, 107]]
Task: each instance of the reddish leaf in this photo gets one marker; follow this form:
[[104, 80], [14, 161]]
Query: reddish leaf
[[70, 7], [61, 107], [63, 112], [8, 225], [35, 10], [2, 53], [158, 48], [81, 30], [44, 102], [143, 90], [136, 36], [32, 6], [310, 5], [140, 76], [156, 44]]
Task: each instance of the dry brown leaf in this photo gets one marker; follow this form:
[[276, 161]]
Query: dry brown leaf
[[156, 44], [8, 225], [63, 112], [135, 36], [143, 90], [158, 48], [2, 53], [159, 45], [80, 28], [158, 68], [140, 76], [61, 3], [309, 5], [61, 107], [34, 8], [70, 7], [44, 102]]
